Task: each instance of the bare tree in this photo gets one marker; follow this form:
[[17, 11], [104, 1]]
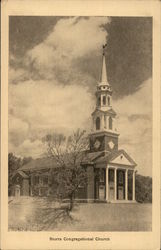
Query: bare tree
[[69, 153]]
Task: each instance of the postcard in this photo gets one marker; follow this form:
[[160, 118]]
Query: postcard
[[80, 155]]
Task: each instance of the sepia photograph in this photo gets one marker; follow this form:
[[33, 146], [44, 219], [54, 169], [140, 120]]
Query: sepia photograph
[[80, 123], [80, 130]]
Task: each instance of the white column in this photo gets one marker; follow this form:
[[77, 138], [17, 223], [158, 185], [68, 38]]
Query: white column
[[107, 183], [133, 190], [115, 180], [126, 184]]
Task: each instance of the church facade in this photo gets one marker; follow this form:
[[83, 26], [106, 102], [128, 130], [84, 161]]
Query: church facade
[[110, 170]]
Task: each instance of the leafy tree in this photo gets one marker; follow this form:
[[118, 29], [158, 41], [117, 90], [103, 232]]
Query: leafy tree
[[69, 154], [143, 188]]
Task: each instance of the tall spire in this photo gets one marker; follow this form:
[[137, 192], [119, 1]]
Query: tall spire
[[103, 80]]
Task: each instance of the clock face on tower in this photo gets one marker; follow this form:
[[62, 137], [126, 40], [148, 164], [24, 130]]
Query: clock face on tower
[[104, 142], [97, 144], [111, 144]]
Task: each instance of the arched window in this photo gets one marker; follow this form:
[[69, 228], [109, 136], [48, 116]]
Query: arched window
[[110, 122], [104, 100], [108, 101], [97, 123]]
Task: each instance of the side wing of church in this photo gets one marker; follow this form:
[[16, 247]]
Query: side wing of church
[[108, 168]]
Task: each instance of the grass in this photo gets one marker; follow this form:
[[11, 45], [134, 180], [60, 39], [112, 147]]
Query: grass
[[43, 214]]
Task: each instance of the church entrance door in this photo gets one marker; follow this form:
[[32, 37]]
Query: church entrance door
[[111, 193], [101, 192], [121, 185], [100, 186], [120, 193]]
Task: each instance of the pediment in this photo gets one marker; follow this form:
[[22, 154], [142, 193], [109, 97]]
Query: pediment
[[123, 159]]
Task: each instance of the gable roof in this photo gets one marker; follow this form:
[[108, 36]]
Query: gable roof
[[40, 163], [122, 152], [110, 157], [24, 175]]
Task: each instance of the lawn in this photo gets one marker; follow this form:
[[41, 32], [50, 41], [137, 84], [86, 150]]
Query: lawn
[[43, 214]]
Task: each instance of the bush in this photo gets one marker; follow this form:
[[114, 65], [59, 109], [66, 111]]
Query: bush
[[143, 190]]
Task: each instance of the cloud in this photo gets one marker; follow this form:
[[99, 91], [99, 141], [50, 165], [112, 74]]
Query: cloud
[[138, 103], [16, 75], [18, 130], [45, 107], [71, 39], [78, 36], [29, 148]]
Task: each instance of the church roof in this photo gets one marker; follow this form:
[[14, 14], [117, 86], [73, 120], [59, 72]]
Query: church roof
[[111, 156], [85, 158], [24, 175], [40, 163], [92, 156], [50, 162]]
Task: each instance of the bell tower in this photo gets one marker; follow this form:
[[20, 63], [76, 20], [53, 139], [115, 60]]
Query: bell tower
[[104, 135]]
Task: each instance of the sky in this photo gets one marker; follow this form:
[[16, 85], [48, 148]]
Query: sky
[[55, 65]]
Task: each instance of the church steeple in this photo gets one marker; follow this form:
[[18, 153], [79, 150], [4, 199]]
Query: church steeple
[[103, 80], [104, 90], [104, 117]]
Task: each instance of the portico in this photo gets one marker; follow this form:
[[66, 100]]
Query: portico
[[115, 177], [117, 184]]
